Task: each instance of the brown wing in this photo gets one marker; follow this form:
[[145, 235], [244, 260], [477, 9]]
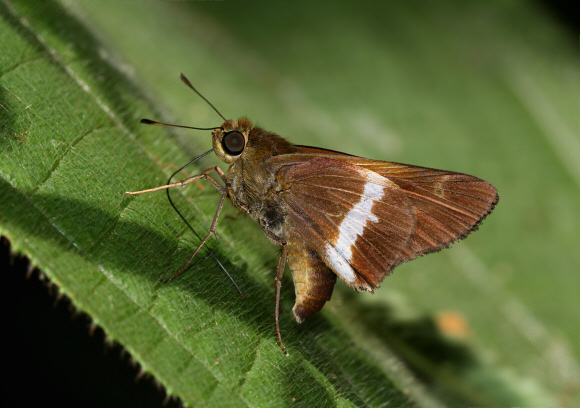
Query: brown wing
[[357, 221], [445, 206]]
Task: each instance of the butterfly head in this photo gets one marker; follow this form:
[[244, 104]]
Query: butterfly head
[[231, 138]]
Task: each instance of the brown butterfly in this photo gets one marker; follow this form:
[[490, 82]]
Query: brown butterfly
[[335, 214]]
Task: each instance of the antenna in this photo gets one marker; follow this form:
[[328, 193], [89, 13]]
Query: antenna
[[186, 82], [155, 123]]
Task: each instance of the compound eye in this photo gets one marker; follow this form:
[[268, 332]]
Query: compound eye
[[233, 143]]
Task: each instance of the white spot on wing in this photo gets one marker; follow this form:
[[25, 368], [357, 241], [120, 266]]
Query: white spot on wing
[[352, 226], [339, 264]]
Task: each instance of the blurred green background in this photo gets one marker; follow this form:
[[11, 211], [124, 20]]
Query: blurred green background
[[490, 89]]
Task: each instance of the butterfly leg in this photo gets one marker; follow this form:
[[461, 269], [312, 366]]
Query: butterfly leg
[[204, 240], [204, 176], [235, 217], [279, 274]]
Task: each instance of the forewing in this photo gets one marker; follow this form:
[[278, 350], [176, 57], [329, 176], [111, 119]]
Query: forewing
[[446, 205], [359, 222]]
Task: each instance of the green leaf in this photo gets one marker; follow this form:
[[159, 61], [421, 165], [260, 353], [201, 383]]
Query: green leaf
[[453, 85]]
